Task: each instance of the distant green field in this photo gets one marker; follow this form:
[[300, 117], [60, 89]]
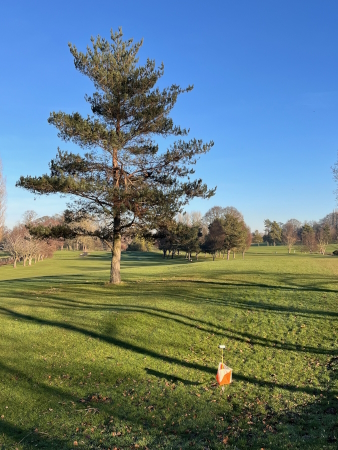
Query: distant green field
[[88, 365]]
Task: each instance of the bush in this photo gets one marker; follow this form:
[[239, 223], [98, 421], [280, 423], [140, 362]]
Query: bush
[[139, 245], [335, 253]]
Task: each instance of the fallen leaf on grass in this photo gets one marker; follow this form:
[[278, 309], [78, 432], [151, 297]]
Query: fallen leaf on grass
[[75, 444], [225, 440]]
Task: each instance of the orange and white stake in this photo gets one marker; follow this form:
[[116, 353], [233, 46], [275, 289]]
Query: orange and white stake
[[224, 373]]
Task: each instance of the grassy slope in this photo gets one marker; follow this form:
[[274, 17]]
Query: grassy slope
[[134, 365]]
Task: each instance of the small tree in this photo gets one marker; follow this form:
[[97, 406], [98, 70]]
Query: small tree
[[290, 233], [323, 237], [309, 238], [214, 240], [122, 179], [14, 243], [189, 241], [273, 231], [246, 243], [167, 237], [234, 230], [257, 237], [139, 244]]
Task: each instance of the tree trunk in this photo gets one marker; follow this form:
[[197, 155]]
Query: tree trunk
[[243, 255], [289, 250], [196, 256], [234, 255], [213, 256], [30, 261], [14, 263], [228, 255], [164, 253], [115, 274], [172, 255], [24, 261]]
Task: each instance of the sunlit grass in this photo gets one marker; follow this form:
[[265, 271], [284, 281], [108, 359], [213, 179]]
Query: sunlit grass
[[133, 366]]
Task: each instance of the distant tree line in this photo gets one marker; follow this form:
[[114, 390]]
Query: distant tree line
[[21, 244], [312, 236], [219, 232], [222, 231]]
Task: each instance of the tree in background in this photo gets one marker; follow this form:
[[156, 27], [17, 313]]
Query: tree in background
[[273, 231], [257, 237], [290, 233], [214, 240], [14, 243], [139, 244], [216, 212], [323, 237], [234, 229], [332, 221], [167, 237], [2, 202], [189, 241], [122, 179], [309, 241], [246, 243]]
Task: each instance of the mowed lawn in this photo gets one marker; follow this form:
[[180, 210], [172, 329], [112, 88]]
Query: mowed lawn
[[85, 364]]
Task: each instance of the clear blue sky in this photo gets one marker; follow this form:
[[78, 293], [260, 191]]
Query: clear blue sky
[[266, 91]]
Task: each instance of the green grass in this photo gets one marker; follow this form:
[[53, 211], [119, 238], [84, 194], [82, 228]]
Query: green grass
[[133, 366]]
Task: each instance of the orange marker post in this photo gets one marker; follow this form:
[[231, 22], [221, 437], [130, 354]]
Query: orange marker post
[[224, 373]]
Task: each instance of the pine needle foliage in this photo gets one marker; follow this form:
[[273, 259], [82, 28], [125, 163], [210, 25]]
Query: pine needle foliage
[[122, 179]]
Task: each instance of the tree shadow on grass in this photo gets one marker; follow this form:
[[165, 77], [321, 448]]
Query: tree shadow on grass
[[300, 424], [31, 438], [250, 284], [171, 378], [202, 325], [153, 354]]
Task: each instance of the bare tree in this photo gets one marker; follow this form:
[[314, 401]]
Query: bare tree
[[216, 212], [323, 237], [246, 243], [290, 233], [14, 243], [2, 202]]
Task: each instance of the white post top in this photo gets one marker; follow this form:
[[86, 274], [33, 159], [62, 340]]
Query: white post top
[[221, 346]]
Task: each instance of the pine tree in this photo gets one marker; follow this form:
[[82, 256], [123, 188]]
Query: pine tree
[[122, 179]]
